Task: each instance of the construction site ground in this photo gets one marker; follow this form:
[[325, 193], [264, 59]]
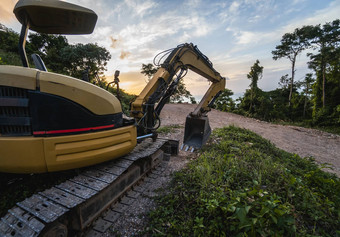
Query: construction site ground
[[324, 147]]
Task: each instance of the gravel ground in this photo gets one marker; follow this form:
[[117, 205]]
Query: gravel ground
[[324, 147], [133, 221]]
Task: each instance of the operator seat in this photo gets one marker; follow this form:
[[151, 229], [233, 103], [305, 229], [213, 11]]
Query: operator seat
[[38, 62]]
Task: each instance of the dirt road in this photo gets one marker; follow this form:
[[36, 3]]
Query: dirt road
[[324, 147]]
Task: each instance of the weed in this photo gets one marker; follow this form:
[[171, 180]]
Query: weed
[[242, 185], [168, 129]]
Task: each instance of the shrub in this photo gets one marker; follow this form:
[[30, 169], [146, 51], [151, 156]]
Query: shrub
[[242, 185]]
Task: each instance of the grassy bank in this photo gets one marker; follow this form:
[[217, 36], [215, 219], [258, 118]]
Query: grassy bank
[[242, 185]]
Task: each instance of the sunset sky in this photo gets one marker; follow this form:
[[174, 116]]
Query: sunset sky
[[233, 34]]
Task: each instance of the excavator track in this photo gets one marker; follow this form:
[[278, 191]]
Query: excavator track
[[74, 204]]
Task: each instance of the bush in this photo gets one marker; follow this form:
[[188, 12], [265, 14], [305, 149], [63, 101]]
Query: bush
[[242, 185]]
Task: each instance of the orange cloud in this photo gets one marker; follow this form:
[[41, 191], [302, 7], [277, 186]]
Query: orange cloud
[[6, 10], [124, 54], [114, 42]]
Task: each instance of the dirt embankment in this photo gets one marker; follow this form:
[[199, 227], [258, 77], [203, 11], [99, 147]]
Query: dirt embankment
[[324, 147]]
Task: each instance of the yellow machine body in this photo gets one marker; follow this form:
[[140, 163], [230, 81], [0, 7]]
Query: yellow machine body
[[36, 154]]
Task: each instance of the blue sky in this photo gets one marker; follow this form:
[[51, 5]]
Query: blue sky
[[233, 34]]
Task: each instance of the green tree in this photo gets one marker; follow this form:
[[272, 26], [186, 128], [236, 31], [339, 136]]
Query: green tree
[[327, 40], [49, 47], [61, 57], [307, 90], [9, 47], [9, 40], [284, 82], [224, 101], [181, 92], [193, 100], [149, 70], [85, 57], [292, 44], [254, 75]]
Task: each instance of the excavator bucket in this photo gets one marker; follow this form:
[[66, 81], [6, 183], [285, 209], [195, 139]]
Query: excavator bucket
[[197, 132]]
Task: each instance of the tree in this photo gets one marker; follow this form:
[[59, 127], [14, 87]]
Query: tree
[[307, 90], [291, 45], [327, 40], [9, 40], [73, 60], [49, 47], [254, 75], [85, 57], [149, 70], [284, 82], [224, 102], [193, 100]]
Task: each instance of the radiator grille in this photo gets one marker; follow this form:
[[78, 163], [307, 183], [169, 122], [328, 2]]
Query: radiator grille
[[15, 117]]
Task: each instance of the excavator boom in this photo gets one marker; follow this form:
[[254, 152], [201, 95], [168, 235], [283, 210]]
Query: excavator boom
[[148, 105]]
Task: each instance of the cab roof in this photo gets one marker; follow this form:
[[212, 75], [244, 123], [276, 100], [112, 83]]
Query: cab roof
[[55, 17]]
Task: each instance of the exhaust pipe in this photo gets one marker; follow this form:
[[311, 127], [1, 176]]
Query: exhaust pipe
[[197, 131]]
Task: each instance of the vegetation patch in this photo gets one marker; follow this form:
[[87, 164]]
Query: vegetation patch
[[168, 129], [242, 185]]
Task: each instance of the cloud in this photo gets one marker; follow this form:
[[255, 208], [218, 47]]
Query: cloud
[[322, 16], [115, 42], [141, 7], [6, 11], [249, 39], [136, 30], [124, 54], [193, 3], [234, 7]]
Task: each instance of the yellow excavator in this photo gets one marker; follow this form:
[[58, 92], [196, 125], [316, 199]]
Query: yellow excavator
[[51, 122]]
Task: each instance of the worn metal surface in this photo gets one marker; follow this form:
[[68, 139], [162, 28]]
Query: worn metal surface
[[42, 208], [78, 201], [61, 197]]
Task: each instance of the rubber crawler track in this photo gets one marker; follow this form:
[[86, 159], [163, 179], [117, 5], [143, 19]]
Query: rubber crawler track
[[76, 203]]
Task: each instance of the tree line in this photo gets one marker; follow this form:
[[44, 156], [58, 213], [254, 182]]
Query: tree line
[[315, 100], [58, 55], [82, 61]]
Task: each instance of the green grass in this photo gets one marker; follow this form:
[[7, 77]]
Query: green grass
[[168, 129], [242, 185]]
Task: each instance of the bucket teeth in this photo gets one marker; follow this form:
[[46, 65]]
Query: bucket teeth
[[186, 148]]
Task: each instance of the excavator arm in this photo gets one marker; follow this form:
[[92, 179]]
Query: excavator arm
[[148, 105]]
